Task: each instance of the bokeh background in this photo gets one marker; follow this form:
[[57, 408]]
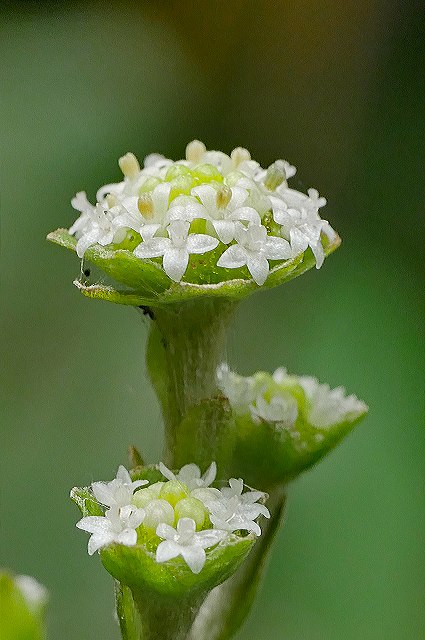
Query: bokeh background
[[336, 88]]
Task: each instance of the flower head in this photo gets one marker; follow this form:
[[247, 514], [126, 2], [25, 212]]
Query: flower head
[[207, 202]]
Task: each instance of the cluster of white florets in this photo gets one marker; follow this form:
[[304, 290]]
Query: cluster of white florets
[[181, 516], [276, 399], [208, 202]]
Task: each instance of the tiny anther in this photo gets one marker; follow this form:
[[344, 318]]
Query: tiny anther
[[276, 175], [145, 205], [223, 197], [238, 156], [129, 165], [195, 151]]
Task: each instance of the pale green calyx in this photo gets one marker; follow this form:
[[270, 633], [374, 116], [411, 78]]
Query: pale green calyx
[[210, 224]]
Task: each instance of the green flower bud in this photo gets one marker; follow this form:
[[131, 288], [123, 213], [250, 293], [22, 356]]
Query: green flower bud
[[191, 508], [173, 491]]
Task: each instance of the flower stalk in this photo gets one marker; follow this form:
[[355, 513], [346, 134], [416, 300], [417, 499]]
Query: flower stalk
[[186, 344]]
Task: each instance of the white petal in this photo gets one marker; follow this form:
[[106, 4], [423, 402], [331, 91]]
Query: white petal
[[277, 249], [103, 493], [225, 229], [147, 231], [94, 524], [245, 213], [194, 557], [207, 195], [258, 268], [200, 243], [175, 263], [318, 253], [160, 197], [86, 241], [209, 538], [239, 195], [152, 248], [299, 242], [186, 526], [123, 475], [127, 537], [167, 550], [97, 541], [166, 472], [209, 475], [165, 531], [233, 258], [117, 188]]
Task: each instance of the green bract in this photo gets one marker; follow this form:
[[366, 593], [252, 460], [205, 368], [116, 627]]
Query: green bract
[[146, 284]]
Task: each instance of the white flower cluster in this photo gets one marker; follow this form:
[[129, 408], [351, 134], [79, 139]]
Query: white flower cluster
[[205, 202], [274, 398], [184, 512]]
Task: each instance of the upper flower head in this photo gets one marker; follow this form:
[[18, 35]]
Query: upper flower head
[[212, 223]]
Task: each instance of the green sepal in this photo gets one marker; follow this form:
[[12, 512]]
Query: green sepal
[[18, 619], [86, 502], [147, 284], [137, 568]]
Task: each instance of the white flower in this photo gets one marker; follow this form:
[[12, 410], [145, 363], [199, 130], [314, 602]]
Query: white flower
[[223, 218], [282, 408], [236, 510], [176, 249], [80, 203], [145, 214], [239, 390], [118, 492], [98, 229], [254, 248], [328, 407], [185, 208], [190, 475], [34, 593], [185, 541], [302, 228], [117, 525]]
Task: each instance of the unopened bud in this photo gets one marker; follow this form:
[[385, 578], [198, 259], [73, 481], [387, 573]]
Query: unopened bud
[[195, 151], [191, 508], [129, 165], [276, 174], [223, 197], [238, 156], [145, 205]]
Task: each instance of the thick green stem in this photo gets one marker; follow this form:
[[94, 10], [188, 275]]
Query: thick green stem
[[187, 343], [164, 619]]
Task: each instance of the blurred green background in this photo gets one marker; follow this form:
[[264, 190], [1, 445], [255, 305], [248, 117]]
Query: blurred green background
[[336, 89]]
